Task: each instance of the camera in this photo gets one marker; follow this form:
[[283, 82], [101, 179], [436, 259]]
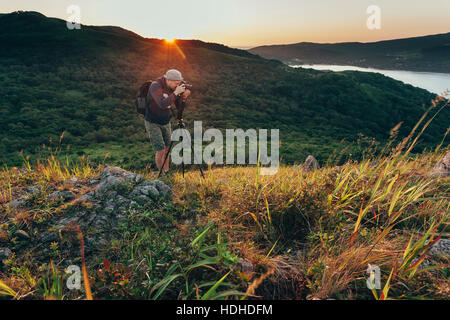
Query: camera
[[186, 85]]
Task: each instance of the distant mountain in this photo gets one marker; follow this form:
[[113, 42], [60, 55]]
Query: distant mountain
[[427, 53], [83, 83]]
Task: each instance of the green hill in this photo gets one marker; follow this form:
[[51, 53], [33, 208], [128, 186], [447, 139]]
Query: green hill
[[82, 83], [427, 53]]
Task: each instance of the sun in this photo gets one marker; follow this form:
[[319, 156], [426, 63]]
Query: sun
[[170, 41]]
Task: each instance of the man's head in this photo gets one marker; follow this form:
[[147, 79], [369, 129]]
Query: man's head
[[173, 78]]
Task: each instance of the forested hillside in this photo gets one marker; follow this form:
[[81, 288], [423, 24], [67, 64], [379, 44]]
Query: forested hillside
[[82, 83]]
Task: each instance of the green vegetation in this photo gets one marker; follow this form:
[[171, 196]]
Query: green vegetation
[[301, 235], [236, 234], [82, 83]]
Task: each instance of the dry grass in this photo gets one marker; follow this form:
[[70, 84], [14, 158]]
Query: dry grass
[[344, 218], [305, 232]]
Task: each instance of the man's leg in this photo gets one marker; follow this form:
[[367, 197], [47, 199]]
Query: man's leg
[[166, 165], [159, 158], [156, 139], [166, 132]]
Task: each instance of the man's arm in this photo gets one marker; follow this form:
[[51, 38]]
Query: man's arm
[[157, 94]]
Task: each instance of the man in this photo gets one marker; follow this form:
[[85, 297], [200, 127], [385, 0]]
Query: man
[[161, 96]]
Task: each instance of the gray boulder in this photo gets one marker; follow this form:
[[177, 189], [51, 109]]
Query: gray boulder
[[110, 203], [115, 194], [311, 163]]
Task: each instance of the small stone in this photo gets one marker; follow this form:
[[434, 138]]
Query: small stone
[[64, 195], [107, 184], [441, 248], [148, 190], [16, 203], [163, 188], [93, 181], [246, 266], [311, 163], [31, 189], [49, 237], [5, 253], [143, 199], [442, 168], [72, 181], [117, 172], [110, 205], [22, 234]]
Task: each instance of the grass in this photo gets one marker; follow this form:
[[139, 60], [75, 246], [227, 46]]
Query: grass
[[339, 219], [305, 234]]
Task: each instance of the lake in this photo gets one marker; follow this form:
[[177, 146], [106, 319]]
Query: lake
[[431, 81]]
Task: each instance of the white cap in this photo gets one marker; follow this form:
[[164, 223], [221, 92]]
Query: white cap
[[173, 75]]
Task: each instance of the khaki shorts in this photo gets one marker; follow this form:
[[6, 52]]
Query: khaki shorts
[[159, 134]]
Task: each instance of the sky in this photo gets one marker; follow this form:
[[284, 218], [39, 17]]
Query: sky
[[248, 23]]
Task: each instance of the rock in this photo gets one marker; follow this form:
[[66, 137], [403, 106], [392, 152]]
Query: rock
[[138, 178], [64, 222], [442, 168], [110, 205], [107, 184], [5, 253], [22, 234], [441, 248], [73, 181], [87, 197], [311, 163], [114, 192], [163, 188], [16, 203], [31, 189], [117, 172], [246, 266], [93, 182], [141, 199], [147, 189], [64, 195], [48, 237]]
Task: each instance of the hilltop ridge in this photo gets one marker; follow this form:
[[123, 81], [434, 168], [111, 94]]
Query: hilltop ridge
[[423, 53]]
